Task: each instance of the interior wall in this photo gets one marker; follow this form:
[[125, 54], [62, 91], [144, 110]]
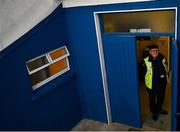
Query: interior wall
[[82, 36], [54, 106], [178, 90], [45, 112]]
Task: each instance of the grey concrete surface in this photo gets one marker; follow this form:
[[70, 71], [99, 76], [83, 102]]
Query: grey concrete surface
[[148, 125], [19, 16]]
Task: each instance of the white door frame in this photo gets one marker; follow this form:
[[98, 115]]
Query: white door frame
[[101, 53]]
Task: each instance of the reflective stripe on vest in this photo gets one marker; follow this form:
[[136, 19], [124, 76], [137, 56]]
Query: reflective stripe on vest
[[166, 68], [149, 73]]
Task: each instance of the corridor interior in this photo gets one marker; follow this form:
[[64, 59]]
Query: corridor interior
[[164, 121]]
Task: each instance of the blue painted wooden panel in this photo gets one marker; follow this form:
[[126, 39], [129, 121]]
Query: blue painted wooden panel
[[122, 78], [178, 89], [155, 4], [82, 36], [56, 105], [82, 43], [174, 66]]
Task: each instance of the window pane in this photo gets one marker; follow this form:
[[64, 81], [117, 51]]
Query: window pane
[[37, 63], [48, 71], [58, 53], [39, 76], [152, 21], [58, 66]]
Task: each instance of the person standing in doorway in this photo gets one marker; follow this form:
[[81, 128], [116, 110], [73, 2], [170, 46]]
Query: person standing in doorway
[[155, 75]]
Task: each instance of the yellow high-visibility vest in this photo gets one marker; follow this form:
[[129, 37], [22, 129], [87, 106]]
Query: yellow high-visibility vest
[[149, 73]]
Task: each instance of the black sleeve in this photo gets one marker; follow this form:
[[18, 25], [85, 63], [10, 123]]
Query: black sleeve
[[143, 69], [167, 66], [163, 57], [166, 61]]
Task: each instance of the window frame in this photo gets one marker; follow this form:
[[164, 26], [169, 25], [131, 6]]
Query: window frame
[[50, 62]]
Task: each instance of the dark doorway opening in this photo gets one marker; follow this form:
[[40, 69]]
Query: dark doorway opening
[[164, 121]]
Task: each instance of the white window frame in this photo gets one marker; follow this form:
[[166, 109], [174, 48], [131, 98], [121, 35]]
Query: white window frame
[[50, 62]]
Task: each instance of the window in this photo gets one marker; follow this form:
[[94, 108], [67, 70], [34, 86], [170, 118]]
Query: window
[[160, 21], [46, 67]]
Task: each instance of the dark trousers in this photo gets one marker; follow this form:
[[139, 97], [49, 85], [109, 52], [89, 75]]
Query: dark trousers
[[156, 97]]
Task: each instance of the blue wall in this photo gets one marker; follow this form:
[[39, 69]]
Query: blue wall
[[55, 106], [82, 36], [77, 94], [81, 33]]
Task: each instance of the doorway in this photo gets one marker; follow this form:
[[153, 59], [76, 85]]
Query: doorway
[[163, 42], [116, 44]]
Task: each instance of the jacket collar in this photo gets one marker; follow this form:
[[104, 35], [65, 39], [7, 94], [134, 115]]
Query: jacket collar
[[151, 58]]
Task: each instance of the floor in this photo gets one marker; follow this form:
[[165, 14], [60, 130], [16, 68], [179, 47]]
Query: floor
[[163, 123], [148, 125], [90, 125]]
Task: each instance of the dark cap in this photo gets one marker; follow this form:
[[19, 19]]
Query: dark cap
[[153, 47]]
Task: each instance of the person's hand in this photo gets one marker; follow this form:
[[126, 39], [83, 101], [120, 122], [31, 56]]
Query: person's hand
[[162, 76]]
